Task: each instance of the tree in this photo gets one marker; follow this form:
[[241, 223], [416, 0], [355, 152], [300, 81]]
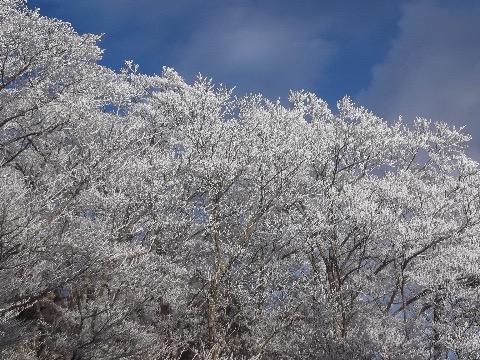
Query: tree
[[390, 201], [142, 217], [68, 279]]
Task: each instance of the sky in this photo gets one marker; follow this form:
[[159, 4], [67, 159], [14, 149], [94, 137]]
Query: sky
[[394, 57]]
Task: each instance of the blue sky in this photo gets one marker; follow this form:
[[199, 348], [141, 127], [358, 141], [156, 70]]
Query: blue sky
[[405, 57]]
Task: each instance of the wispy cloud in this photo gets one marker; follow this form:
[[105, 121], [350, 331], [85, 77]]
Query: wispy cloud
[[261, 52]]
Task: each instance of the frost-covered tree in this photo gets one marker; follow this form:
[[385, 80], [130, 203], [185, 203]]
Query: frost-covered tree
[[70, 284], [387, 208], [143, 217]]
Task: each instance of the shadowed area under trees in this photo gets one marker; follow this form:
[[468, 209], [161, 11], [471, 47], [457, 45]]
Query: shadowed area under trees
[[142, 217]]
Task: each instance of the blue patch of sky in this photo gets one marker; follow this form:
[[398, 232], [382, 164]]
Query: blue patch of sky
[[360, 36], [394, 57]]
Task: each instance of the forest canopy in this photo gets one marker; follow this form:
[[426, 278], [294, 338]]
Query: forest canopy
[[144, 217]]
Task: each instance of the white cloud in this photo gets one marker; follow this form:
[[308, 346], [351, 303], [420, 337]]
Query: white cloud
[[260, 51], [432, 69]]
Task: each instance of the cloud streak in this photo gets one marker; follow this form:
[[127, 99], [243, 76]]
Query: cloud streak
[[259, 51]]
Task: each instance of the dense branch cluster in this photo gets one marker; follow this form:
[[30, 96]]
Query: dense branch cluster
[[145, 218]]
